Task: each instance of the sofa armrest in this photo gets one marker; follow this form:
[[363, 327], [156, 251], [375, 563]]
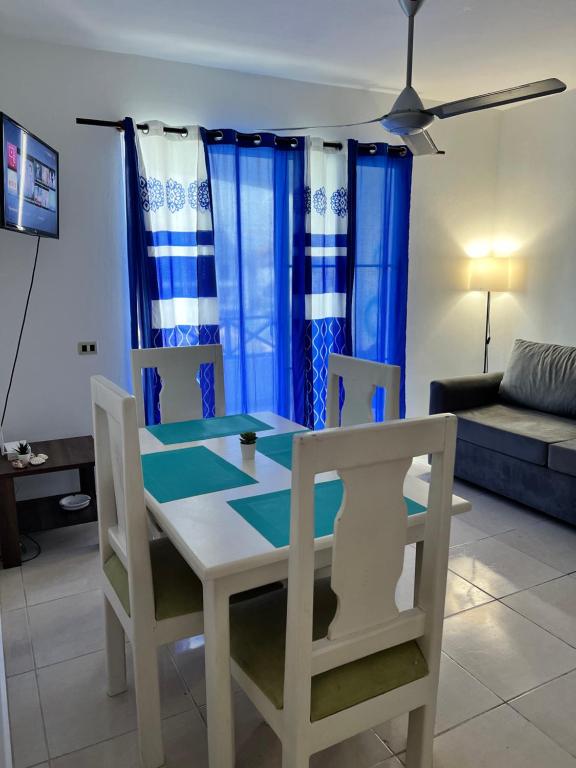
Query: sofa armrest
[[450, 395]]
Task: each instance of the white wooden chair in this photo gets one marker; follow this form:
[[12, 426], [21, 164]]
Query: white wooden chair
[[323, 661], [151, 595], [180, 396], [360, 378]]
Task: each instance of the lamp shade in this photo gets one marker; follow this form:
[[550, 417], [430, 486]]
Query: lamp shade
[[489, 274]]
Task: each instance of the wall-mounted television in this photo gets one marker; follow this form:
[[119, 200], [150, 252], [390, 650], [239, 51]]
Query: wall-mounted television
[[29, 182]]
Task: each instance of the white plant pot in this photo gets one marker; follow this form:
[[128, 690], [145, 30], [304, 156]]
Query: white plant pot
[[248, 451], [24, 458]]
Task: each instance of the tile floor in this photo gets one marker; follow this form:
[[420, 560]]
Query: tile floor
[[507, 696]]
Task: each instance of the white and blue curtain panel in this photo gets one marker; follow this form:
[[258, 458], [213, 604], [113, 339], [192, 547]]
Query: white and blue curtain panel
[[326, 258], [284, 249], [178, 262]]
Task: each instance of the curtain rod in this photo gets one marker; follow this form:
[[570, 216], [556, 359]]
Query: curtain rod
[[217, 135]]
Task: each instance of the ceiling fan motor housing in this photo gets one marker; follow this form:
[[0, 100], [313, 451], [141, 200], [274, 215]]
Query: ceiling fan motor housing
[[410, 7], [407, 115]]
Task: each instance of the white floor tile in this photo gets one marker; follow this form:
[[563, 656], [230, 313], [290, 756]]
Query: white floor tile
[[362, 751], [11, 589], [17, 645], [26, 729], [552, 709], [52, 576], [462, 532], [185, 746], [188, 656], [548, 540], [461, 595], [71, 537], [77, 710], [505, 651], [500, 738], [66, 628], [392, 762], [460, 697], [258, 747], [551, 606], [494, 514], [497, 568]]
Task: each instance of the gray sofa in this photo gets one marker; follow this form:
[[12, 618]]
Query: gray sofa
[[517, 429]]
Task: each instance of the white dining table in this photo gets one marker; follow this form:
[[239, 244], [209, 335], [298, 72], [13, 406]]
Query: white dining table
[[230, 556]]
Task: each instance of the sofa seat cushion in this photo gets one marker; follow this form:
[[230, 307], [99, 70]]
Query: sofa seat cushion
[[562, 457], [177, 589], [258, 642], [518, 432]]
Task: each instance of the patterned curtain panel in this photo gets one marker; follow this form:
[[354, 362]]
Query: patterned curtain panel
[[325, 273], [179, 268]]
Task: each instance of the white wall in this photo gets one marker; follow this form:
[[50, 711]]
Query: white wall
[[537, 208], [81, 291]]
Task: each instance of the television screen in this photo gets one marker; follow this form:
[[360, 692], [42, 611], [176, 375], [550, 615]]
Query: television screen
[[29, 188]]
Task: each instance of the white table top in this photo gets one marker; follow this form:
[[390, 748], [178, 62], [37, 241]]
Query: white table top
[[216, 540]]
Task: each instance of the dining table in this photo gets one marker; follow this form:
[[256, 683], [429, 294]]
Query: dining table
[[229, 519]]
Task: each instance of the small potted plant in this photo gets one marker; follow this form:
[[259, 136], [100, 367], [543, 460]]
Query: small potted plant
[[248, 445], [23, 452]]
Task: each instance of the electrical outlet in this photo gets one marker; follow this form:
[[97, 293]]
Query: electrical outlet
[[87, 348]]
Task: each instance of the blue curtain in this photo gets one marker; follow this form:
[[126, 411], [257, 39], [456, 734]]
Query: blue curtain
[[379, 306], [258, 211], [269, 271], [138, 276]]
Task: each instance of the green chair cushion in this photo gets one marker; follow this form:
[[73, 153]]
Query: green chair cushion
[[177, 589], [258, 641]]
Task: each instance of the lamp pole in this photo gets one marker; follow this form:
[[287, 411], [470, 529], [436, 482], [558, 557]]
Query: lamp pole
[[487, 332]]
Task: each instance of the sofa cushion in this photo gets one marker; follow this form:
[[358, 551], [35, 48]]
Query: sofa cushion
[[541, 376], [518, 432], [562, 457]]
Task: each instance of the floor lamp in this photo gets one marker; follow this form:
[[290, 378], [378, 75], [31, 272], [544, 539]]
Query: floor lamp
[[490, 274]]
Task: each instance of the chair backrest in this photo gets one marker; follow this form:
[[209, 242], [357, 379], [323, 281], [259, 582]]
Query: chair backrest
[[122, 515], [178, 368], [360, 378], [368, 550]]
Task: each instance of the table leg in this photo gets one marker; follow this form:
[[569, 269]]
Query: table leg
[[9, 537], [220, 717], [418, 569], [87, 481]]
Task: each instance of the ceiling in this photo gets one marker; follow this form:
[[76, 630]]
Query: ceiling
[[463, 47]]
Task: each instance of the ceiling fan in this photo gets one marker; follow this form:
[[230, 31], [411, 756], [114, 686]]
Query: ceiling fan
[[408, 117]]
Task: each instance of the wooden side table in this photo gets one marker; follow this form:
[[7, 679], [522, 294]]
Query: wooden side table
[[69, 453]]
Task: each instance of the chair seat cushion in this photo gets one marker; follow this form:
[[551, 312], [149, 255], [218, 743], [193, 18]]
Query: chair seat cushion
[[518, 432], [562, 457], [258, 641], [177, 589]]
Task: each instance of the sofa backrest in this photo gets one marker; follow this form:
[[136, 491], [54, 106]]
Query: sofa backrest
[[541, 376]]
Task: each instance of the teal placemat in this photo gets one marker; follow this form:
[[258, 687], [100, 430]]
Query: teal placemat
[[205, 429], [172, 475], [270, 512], [278, 447]]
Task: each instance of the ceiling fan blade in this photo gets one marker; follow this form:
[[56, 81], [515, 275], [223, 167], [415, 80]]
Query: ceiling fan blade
[[313, 127], [421, 144], [499, 98]]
